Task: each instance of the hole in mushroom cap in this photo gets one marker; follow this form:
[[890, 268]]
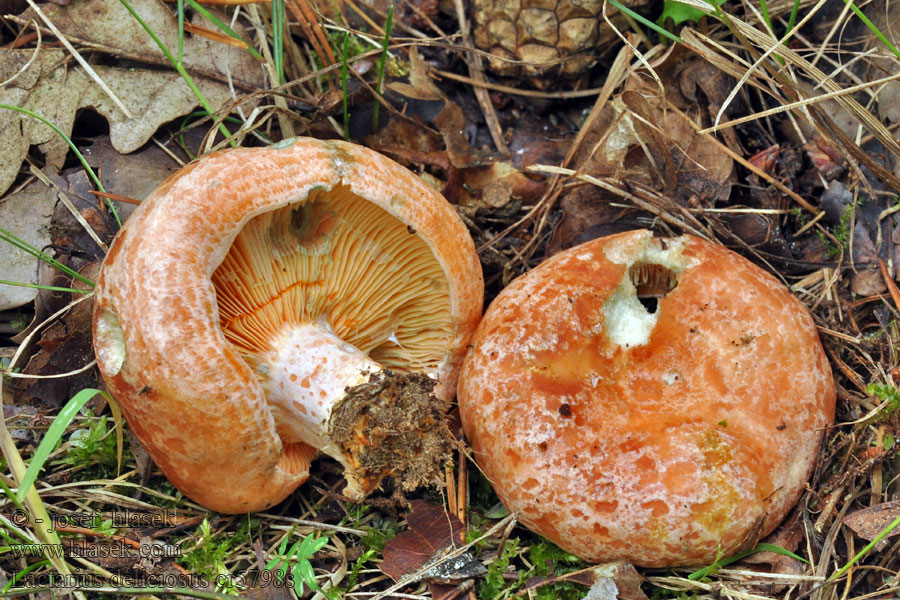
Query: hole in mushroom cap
[[633, 309], [109, 343], [652, 269], [313, 224]]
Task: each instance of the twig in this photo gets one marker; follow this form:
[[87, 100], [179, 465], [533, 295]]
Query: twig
[[476, 71], [34, 54], [64, 198]]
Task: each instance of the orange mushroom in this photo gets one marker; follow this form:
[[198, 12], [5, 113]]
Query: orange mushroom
[[647, 399], [266, 303]]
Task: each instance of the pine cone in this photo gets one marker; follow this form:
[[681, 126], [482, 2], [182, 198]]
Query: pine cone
[[544, 38]]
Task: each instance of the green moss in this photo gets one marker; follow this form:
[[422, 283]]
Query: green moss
[[92, 449]]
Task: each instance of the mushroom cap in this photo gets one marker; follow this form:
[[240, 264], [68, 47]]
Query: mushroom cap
[[187, 392], [658, 443]]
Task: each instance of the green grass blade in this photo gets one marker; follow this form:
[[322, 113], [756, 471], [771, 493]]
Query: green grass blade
[[23, 245], [37, 512], [862, 17], [7, 491], [645, 22], [179, 67], [20, 574], [278, 39], [120, 431], [719, 563], [764, 9], [10, 540], [793, 18], [224, 28], [180, 12], [881, 535], [49, 288], [53, 435], [81, 158], [382, 59]]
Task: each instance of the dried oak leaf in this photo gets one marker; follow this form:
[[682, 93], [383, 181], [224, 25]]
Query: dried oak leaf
[[52, 87], [55, 90], [109, 25], [137, 174]]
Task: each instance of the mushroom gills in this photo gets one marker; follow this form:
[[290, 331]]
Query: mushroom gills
[[651, 282], [343, 313]]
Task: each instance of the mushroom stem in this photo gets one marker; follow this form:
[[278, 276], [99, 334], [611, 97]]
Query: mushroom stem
[[327, 393]]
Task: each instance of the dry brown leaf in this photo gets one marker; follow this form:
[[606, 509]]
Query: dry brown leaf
[[406, 136], [66, 345], [51, 87], [869, 522], [535, 143], [108, 24], [432, 530], [137, 174], [54, 90], [640, 138], [420, 84], [452, 124], [133, 175], [493, 186]]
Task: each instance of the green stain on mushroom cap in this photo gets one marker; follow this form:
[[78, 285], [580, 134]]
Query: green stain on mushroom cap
[[285, 143]]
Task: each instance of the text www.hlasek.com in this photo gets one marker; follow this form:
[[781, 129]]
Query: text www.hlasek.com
[[37, 550], [84, 549]]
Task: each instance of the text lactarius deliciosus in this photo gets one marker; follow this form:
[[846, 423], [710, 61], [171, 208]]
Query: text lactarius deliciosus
[[662, 434], [264, 304]]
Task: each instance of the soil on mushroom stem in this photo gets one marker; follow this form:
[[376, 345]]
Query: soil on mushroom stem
[[372, 424]]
